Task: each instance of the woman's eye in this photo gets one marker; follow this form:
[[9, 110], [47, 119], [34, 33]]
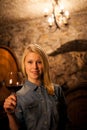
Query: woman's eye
[[39, 62], [30, 62]]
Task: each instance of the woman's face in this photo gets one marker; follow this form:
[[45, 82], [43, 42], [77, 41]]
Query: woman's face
[[33, 66]]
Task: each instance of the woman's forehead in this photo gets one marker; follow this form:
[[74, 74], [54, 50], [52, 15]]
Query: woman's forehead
[[32, 55]]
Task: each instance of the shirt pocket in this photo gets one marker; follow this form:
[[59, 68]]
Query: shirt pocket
[[32, 108], [31, 113]]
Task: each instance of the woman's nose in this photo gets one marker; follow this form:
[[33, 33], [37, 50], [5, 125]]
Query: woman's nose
[[35, 65]]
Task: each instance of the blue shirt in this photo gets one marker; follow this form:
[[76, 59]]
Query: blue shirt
[[37, 110]]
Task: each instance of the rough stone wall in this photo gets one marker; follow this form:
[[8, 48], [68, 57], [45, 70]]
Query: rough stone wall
[[66, 47]]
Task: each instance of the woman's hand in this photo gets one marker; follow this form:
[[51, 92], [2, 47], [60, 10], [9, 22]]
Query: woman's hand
[[10, 104]]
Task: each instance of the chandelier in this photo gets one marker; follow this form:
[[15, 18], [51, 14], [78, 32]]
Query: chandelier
[[58, 17]]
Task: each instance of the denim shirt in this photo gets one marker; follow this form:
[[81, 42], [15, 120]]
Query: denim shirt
[[37, 110]]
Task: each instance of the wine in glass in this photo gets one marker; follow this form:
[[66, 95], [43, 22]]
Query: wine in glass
[[14, 81]]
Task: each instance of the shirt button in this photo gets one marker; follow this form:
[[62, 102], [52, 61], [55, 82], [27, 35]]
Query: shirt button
[[45, 122]]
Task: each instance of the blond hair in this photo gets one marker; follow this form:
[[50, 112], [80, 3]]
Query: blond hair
[[46, 76]]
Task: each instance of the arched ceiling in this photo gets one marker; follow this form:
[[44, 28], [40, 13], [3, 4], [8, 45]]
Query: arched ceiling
[[22, 9]]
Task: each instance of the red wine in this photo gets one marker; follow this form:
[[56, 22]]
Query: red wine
[[14, 88]]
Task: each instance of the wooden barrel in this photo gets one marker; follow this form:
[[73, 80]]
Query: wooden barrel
[[8, 63], [77, 106]]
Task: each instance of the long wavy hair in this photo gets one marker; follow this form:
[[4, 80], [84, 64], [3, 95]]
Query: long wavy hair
[[46, 75]]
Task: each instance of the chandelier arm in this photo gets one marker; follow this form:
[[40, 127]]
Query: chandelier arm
[[53, 5]]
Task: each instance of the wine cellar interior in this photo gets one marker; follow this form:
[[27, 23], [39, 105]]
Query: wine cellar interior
[[23, 22]]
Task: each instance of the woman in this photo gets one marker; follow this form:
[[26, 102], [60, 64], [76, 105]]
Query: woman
[[40, 104]]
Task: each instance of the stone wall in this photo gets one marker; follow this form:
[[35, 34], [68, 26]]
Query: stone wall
[[66, 47]]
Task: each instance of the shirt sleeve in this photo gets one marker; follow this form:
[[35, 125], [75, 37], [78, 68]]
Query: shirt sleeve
[[62, 108]]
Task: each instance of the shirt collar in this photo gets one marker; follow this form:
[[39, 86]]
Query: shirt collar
[[31, 85]]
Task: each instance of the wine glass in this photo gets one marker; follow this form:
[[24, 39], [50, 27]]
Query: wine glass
[[14, 82]]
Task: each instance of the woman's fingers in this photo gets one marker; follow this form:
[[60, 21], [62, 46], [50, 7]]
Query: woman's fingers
[[10, 103]]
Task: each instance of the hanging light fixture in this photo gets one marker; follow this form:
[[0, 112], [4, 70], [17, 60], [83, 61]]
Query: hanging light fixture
[[59, 17]]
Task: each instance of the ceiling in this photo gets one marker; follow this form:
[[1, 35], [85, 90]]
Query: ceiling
[[22, 9]]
